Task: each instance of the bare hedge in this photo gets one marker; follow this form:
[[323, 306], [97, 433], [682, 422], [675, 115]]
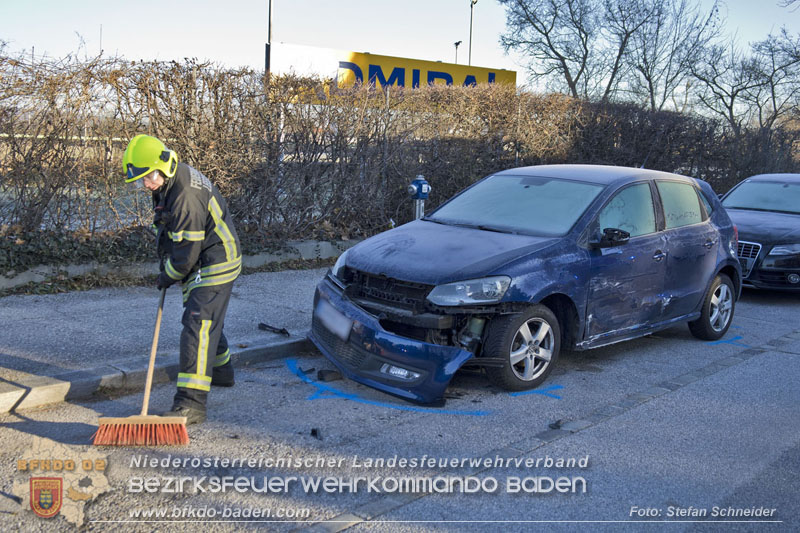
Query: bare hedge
[[304, 160]]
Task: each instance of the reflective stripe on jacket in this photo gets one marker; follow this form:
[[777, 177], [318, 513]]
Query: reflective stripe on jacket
[[196, 231]]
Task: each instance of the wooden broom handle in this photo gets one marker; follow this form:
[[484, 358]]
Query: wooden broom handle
[[151, 367]]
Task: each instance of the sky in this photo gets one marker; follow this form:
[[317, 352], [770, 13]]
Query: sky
[[233, 32]]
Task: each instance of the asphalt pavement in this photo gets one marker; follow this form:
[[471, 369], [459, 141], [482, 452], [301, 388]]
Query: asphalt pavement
[[72, 344], [671, 429]]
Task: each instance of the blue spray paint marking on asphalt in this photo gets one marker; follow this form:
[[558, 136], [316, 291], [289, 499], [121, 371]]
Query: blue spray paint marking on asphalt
[[326, 391], [732, 341], [543, 392], [736, 327]]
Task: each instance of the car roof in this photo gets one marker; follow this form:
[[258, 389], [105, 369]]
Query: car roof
[[601, 174], [790, 178]]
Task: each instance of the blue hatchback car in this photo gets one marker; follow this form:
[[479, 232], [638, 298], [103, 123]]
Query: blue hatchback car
[[525, 263]]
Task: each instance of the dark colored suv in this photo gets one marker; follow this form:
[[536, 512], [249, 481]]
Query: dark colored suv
[[521, 264]]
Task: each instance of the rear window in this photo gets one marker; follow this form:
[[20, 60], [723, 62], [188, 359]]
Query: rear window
[[706, 202], [680, 202], [523, 204]]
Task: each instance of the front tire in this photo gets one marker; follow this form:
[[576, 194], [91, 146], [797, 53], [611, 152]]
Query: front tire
[[717, 312], [529, 344]]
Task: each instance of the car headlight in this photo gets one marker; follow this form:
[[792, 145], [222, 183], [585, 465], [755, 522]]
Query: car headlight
[[338, 267], [472, 291], [785, 249]]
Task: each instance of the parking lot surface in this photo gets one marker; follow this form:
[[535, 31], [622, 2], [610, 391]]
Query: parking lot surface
[[703, 435]]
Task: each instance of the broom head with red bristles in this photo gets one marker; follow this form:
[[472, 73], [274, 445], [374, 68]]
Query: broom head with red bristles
[[142, 430]]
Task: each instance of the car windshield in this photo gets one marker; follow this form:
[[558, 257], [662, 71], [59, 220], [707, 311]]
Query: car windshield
[[765, 196], [520, 204]]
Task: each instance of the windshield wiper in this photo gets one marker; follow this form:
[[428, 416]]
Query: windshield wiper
[[472, 226], [428, 219], [744, 208], [763, 210], [498, 230], [486, 228]]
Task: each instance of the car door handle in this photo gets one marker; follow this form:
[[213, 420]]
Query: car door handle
[[659, 255], [709, 243]]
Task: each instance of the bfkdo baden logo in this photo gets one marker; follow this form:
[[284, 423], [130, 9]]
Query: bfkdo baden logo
[[46, 495]]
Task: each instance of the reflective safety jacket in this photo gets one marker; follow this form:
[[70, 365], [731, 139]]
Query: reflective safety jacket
[[195, 231]]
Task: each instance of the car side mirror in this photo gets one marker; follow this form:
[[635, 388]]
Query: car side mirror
[[611, 237]]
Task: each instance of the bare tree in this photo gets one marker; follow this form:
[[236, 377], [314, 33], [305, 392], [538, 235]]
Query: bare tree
[[756, 88], [777, 64], [576, 45], [558, 37], [663, 51], [725, 75], [623, 20]]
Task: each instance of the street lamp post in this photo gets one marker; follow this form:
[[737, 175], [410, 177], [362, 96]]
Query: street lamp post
[[456, 44], [471, 7]]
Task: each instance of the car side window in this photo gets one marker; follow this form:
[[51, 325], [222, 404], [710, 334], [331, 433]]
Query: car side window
[[705, 201], [631, 210], [680, 202]]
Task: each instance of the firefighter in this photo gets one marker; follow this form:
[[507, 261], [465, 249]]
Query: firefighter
[[199, 248]]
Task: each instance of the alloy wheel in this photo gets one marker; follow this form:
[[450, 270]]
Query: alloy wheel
[[532, 349], [721, 307]]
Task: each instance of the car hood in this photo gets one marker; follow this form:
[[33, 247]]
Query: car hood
[[431, 253], [766, 227]]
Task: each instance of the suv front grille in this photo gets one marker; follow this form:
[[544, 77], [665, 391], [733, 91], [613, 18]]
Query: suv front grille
[[748, 253]]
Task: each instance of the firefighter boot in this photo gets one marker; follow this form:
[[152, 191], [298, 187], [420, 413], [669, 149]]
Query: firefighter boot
[[193, 416], [191, 404]]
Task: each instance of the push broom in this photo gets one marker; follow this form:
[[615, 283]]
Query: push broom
[[144, 429]]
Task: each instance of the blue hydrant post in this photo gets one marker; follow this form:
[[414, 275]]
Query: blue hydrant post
[[419, 191]]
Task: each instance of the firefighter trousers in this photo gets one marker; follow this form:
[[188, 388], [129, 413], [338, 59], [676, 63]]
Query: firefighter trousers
[[204, 348]]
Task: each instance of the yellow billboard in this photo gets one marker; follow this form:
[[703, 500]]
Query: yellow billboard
[[356, 67]]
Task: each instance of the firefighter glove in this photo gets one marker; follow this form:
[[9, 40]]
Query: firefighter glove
[[163, 281]]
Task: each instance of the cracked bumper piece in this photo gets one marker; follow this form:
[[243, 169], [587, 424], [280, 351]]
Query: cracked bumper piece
[[357, 344]]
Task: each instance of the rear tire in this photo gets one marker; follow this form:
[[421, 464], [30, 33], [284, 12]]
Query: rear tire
[[717, 313], [529, 344]]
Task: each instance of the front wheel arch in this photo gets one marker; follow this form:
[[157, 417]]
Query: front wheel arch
[[528, 343], [568, 320]]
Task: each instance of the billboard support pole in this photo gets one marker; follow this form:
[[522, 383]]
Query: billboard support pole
[[267, 47], [471, 7]]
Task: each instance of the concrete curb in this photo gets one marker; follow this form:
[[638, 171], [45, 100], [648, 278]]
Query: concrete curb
[[37, 391]]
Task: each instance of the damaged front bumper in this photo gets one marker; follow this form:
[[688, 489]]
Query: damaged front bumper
[[364, 351]]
